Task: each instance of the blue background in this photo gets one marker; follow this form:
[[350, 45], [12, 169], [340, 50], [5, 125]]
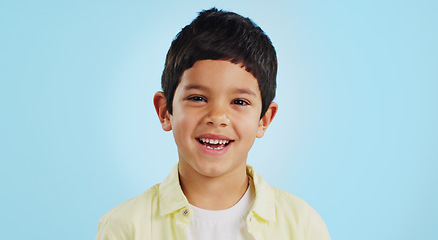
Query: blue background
[[356, 134]]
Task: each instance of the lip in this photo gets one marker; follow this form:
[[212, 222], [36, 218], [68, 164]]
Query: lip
[[214, 152]]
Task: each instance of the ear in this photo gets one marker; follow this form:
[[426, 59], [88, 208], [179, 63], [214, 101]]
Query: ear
[[161, 108], [267, 119]]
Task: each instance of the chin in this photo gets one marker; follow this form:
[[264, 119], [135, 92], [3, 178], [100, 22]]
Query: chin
[[211, 171], [215, 170]]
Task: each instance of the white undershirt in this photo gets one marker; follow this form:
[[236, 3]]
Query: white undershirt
[[229, 224]]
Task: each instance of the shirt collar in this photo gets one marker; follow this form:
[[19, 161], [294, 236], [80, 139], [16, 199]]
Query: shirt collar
[[264, 203], [171, 197]]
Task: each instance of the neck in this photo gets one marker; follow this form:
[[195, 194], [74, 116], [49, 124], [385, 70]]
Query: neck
[[213, 193]]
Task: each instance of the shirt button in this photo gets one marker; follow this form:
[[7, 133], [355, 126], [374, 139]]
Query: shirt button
[[185, 212]]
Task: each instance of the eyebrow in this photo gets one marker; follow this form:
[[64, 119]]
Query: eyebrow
[[235, 91], [245, 91], [194, 86]]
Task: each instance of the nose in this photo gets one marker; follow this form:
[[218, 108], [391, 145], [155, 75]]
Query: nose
[[217, 117]]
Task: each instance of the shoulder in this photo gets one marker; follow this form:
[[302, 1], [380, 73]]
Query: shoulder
[[289, 202], [286, 212], [299, 214], [273, 201], [120, 222], [132, 206]]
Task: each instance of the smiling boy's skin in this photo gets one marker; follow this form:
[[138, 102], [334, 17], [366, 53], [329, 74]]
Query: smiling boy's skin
[[215, 100]]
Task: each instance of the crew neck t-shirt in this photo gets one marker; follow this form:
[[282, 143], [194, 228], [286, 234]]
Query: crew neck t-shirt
[[227, 224]]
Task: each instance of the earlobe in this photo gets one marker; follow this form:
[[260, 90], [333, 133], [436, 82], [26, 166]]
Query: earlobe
[[267, 119], [161, 109]]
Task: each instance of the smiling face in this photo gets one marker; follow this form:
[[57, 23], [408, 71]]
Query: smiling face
[[216, 118]]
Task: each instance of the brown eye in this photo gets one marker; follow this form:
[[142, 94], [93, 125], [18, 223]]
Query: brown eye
[[240, 102], [197, 99]]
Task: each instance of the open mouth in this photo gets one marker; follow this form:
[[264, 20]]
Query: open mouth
[[214, 144]]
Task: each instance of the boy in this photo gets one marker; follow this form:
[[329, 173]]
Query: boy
[[218, 85]]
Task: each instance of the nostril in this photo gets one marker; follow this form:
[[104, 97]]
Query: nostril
[[217, 120]]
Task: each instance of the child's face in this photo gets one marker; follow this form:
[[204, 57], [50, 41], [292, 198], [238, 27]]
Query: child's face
[[216, 117]]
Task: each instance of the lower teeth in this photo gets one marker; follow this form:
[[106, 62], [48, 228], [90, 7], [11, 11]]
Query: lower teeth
[[218, 148]]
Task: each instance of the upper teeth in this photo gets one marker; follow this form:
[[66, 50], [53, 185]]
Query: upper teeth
[[214, 141]]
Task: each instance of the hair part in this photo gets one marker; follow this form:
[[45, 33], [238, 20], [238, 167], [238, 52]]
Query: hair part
[[221, 35]]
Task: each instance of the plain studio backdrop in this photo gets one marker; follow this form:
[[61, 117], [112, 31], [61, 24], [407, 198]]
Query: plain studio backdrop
[[355, 135]]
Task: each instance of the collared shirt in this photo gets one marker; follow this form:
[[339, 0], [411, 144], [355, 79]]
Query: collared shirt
[[163, 212]]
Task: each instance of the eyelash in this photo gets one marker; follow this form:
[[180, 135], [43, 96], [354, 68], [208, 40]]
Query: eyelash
[[240, 102], [197, 98]]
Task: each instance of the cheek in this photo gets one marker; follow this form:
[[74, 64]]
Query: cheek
[[248, 126], [183, 121]]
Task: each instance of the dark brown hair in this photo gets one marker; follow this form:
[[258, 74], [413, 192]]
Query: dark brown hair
[[222, 35]]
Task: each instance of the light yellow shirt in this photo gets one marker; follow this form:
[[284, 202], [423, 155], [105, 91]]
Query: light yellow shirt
[[163, 212]]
